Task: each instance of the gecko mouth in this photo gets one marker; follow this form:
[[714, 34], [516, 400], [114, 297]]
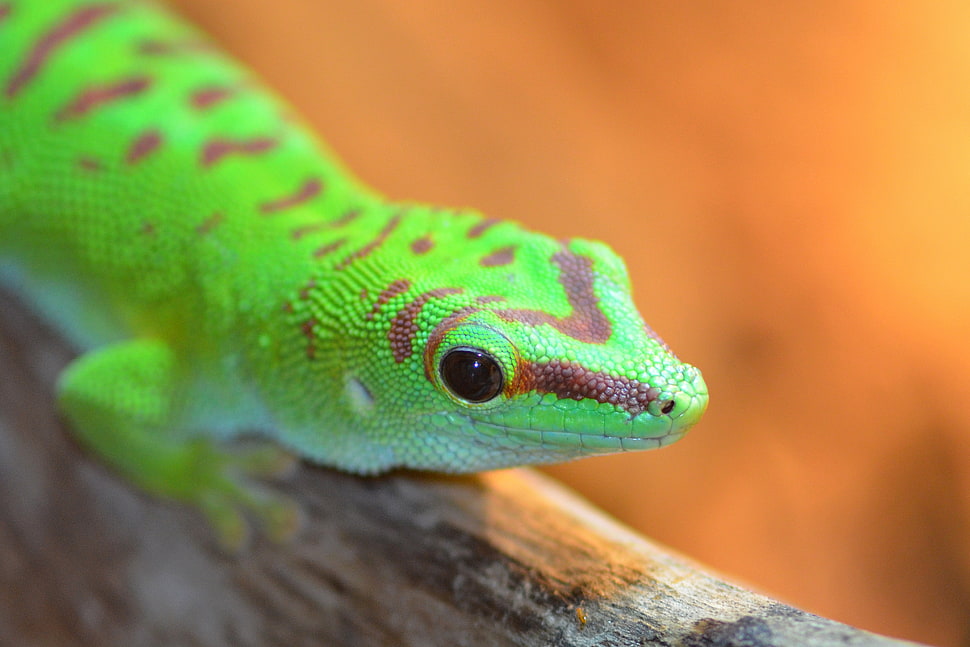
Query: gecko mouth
[[568, 442]]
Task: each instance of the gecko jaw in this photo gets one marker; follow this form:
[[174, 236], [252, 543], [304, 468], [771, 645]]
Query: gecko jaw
[[597, 437], [572, 442]]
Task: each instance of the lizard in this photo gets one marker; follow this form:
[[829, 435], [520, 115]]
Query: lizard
[[221, 272]]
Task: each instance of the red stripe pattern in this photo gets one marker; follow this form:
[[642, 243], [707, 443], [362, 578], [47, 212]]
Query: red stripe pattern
[[143, 146], [217, 149], [95, 96], [209, 96], [72, 26], [307, 191]]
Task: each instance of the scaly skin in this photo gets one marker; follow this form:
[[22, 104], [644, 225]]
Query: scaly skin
[[223, 273]]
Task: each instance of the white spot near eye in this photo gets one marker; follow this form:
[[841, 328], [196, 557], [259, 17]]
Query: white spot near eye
[[360, 398]]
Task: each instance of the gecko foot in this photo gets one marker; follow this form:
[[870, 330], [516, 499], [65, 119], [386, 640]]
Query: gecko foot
[[221, 481]]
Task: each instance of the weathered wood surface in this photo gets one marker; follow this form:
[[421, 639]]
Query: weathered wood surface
[[506, 558]]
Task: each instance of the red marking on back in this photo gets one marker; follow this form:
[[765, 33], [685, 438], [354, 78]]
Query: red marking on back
[[482, 227], [329, 248], [373, 244], [88, 163], [347, 218], [210, 223], [422, 245], [98, 95], [309, 190], [148, 228], [5, 10], [71, 26], [210, 95], [400, 286], [300, 232], [216, 149], [499, 257], [144, 145], [314, 227]]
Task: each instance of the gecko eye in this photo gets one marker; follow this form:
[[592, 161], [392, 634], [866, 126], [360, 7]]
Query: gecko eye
[[471, 374]]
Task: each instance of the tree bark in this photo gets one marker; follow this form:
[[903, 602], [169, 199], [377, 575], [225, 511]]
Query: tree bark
[[503, 558]]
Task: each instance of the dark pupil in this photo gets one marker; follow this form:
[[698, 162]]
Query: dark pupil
[[471, 375]]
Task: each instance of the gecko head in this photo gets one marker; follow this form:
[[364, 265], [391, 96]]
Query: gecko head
[[515, 400], [559, 367]]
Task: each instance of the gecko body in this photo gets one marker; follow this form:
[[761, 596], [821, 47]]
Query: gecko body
[[221, 272]]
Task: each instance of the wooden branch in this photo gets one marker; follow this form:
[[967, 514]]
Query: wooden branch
[[506, 558]]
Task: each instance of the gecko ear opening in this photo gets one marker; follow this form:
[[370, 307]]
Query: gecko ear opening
[[471, 374]]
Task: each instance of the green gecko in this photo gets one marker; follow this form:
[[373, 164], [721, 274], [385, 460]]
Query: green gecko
[[222, 273]]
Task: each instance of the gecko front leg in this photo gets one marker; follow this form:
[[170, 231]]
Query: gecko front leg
[[119, 400]]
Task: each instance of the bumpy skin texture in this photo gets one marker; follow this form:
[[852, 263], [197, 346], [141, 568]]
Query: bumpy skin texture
[[223, 273]]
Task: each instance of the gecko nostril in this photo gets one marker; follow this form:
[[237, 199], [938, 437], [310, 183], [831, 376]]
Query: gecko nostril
[[667, 407]]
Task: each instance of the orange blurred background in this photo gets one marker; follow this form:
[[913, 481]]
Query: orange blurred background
[[790, 186]]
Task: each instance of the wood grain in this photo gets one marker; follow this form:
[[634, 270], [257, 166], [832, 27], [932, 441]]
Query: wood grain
[[504, 558]]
